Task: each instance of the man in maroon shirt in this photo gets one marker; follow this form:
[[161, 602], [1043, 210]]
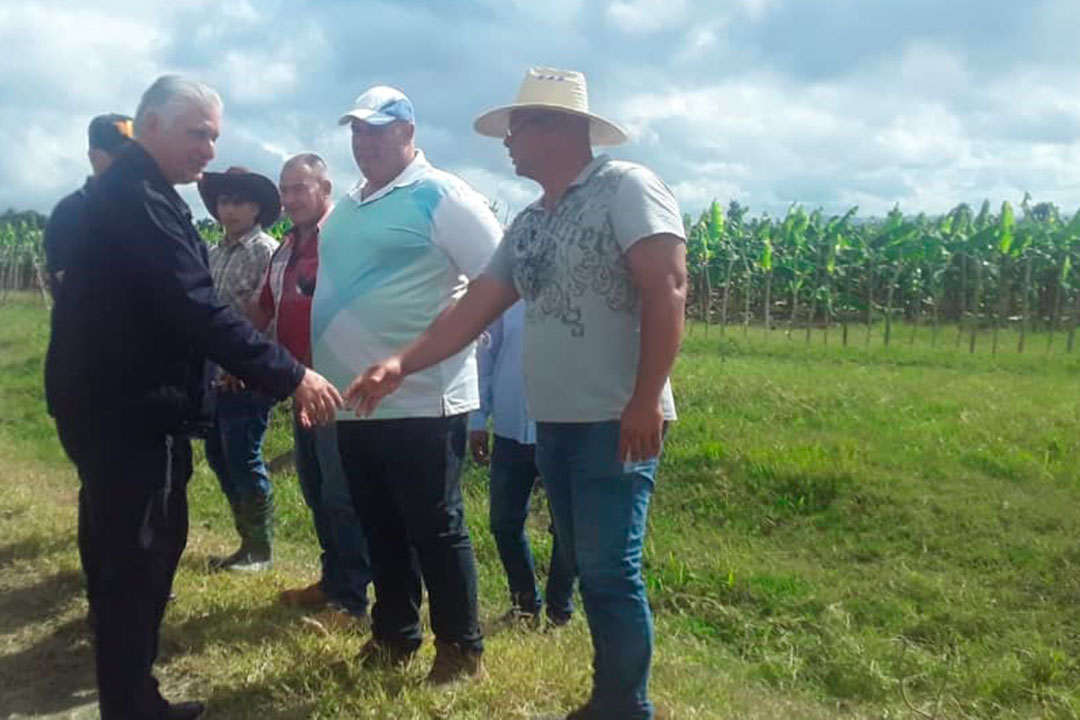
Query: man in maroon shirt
[[285, 304]]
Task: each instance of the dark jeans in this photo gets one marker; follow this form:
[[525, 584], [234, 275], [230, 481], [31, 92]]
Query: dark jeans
[[133, 521], [513, 474], [346, 569], [234, 443], [404, 476], [601, 507]]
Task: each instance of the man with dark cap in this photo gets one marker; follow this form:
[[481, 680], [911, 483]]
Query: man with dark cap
[[126, 379], [244, 203], [109, 134]]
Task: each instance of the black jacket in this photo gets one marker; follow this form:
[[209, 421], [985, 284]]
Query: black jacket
[[63, 231], [137, 318]]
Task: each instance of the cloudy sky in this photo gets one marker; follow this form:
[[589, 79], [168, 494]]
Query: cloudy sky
[[830, 103]]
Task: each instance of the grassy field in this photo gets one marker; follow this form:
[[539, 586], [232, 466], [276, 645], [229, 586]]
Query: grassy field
[[837, 532]]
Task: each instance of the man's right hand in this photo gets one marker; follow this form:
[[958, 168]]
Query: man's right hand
[[478, 446], [378, 381], [317, 399]]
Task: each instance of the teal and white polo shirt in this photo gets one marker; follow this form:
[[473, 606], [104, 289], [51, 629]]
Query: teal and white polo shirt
[[388, 265]]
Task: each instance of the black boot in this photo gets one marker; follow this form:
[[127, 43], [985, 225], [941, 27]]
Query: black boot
[[220, 562]]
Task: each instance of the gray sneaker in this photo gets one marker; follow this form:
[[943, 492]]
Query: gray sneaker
[[251, 562], [243, 560]]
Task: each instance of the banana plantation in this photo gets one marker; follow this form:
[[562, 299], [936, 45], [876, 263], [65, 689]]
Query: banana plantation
[[977, 272], [974, 273], [22, 255]]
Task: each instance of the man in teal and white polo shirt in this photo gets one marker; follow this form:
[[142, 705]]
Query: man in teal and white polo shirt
[[395, 253]]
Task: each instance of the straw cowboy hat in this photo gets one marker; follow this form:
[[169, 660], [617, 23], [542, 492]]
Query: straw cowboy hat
[[556, 90], [242, 183]]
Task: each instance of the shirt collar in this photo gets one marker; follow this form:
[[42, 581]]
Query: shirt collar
[[134, 158], [588, 170], [413, 172], [294, 232], [250, 236], [582, 177]]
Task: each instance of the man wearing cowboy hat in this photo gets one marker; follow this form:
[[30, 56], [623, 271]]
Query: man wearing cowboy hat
[[601, 264], [399, 249], [244, 203]]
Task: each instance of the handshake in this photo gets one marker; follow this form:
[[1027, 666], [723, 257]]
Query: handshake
[[317, 400]]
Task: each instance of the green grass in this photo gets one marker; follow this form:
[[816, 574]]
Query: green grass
[[853, 532]]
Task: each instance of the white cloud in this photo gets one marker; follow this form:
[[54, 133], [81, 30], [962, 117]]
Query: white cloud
[[723, 98], [510, 194], [646, 16], [256, 77]]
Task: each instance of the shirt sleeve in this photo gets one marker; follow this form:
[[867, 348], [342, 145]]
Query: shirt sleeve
[[167, 268], [644, 206], [266, 296], [487, 353], [264, 251], [501, 265], [466, 229]]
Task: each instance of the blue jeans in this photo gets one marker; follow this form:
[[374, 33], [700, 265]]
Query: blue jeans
[[513, 473], [600, 505], [346, 569], [234, 444]]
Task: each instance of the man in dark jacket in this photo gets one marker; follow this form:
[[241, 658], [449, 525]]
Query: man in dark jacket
[[108, 135], [126, 379]]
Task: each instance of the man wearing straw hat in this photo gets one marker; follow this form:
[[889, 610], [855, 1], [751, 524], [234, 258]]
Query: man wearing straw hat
[[601, 264], [244, 203]]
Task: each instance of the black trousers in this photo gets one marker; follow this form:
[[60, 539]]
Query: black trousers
[[133, 523], [404, 479]]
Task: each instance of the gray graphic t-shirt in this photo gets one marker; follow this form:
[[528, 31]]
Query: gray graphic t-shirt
[[582, 310]]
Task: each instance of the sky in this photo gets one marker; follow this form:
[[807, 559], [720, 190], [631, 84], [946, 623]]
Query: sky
[[829, 103]]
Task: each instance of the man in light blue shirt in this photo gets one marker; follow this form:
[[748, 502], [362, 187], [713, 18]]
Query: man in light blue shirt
[[394, 254], [513, 472]]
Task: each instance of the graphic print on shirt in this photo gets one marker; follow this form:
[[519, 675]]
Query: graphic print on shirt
[[560, 257]]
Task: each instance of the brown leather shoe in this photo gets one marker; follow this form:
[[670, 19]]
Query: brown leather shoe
[[311, 596], [453, 664], [335, 620]]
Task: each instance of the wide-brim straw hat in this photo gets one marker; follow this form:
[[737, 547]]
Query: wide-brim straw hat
[[555, 90], [243, 183]]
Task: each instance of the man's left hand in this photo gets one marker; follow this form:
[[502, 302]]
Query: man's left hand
[[641, 430]]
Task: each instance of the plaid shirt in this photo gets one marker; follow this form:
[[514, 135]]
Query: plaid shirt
[[239, 268]]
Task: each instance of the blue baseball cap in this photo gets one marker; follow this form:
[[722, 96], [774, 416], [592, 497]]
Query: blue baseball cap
[[380, 105]]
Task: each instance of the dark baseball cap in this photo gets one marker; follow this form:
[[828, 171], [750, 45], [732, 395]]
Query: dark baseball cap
[[110, 132]]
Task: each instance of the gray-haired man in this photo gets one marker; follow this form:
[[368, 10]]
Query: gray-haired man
[[126, 379]]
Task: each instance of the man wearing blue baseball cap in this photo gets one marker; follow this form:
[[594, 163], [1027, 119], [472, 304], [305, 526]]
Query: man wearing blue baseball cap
[[395, 253]]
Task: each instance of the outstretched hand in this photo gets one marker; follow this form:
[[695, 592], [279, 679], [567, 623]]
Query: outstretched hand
[[368, 389], [317, 400]]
